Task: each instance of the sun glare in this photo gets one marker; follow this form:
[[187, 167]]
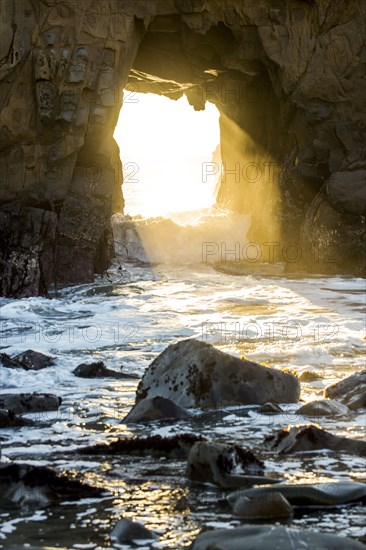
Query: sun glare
[[165, 149]]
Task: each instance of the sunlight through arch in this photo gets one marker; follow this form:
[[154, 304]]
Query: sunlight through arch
[[165, 147]]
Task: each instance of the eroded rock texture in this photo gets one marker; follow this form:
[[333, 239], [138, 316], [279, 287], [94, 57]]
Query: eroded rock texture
[[287, 77]]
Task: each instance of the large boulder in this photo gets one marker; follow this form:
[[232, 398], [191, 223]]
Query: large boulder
[[20, 403], [297, 439], [351, 391], [256, 537], [156, 408], [195, 374], [309, 494]]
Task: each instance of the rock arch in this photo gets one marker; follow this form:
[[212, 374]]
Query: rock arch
[[287, 77]]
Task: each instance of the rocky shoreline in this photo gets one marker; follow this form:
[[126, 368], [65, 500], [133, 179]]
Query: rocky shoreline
[[257, 497]]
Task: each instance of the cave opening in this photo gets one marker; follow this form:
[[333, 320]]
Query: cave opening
[[170, 155]]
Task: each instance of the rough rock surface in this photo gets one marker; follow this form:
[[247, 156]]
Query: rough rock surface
[[323, 407], [19, 403], [256, 537], [307, 494], [24, 483], [351, 391], [263, 506], [99, 370], [298, 439], [194, 374], [289, 82], [224, 465], [157, 408]]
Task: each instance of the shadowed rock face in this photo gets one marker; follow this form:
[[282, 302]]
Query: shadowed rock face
[[288, 80]]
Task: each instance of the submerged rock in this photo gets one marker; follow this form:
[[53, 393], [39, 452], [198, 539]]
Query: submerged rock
[[255, 537], [20, 403], [271, 505], [351, 391], [308, 494], [99, 370], [127, 530], [225, 465], [24, 482], [27, 360], [302, 438], [9, 420], [323, 407], [195, 374], [157, 408], [176, 446]]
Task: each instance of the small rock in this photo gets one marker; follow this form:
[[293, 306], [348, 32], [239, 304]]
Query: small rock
[[99, 370], [20, 403], [263, 506], [258, 537], [323, 407], [302, 438], [34, 360], [157, 408], [9, 420], [351, 391], [224, 465], [309, 376], [127, 530], [309, 494], [270, 408]]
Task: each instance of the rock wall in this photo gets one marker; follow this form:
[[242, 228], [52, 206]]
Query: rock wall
[[287, 77]]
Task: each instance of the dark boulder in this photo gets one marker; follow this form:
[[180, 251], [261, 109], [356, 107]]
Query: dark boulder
[[308, 494], [20, 403], [34, 360], [255, 537], [351, 391], [9, 420], [9, 362], [263, 506], [127, 530], [24, 482], [298, 439], [157, 408], [176, 446], [225, 465], [195, 374], [99, 370], [323, 407]]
